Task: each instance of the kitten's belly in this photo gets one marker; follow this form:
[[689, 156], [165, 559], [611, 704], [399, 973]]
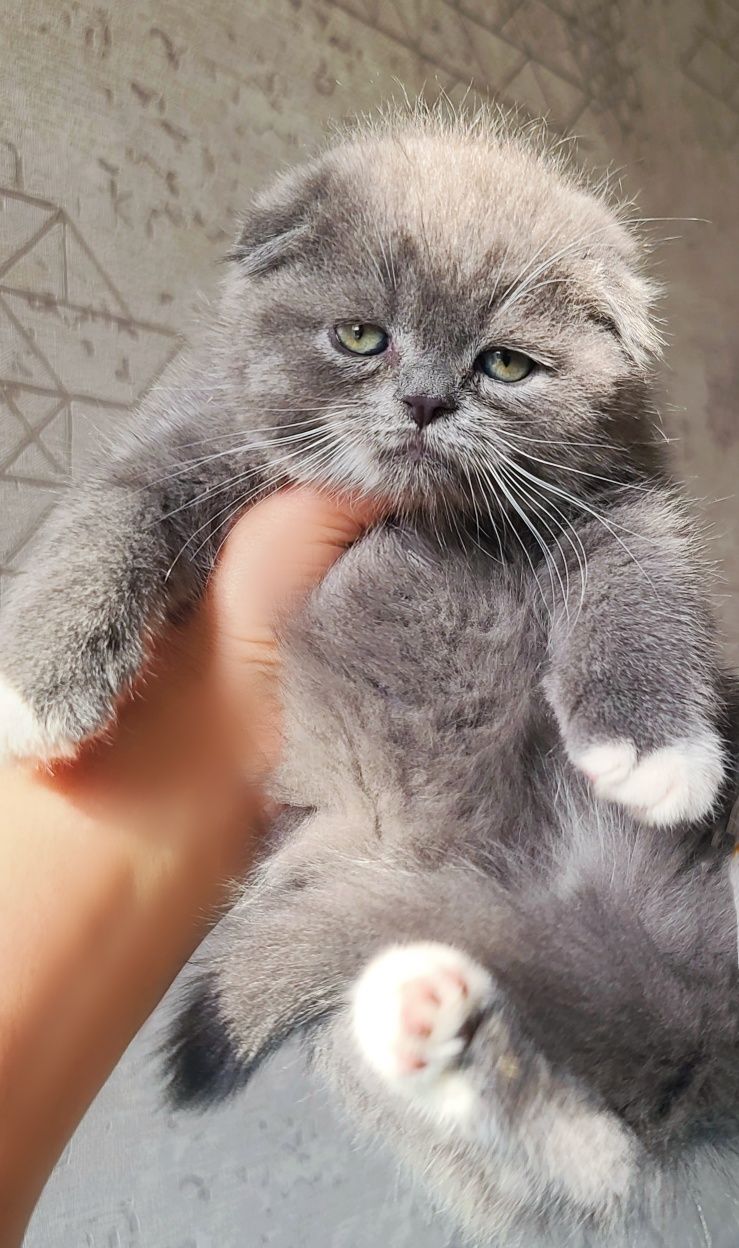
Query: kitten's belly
[[413, 683]]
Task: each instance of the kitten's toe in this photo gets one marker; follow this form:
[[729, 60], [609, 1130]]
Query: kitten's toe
[[23, 735], [676, 782], [414, 1010]]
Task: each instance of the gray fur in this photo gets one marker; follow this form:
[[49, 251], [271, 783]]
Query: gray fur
[[538, 591]]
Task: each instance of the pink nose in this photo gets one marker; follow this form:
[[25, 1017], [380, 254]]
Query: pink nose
[[427, 407]]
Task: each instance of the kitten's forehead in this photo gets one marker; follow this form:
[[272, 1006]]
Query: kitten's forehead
[[469, 199], [449, 227]]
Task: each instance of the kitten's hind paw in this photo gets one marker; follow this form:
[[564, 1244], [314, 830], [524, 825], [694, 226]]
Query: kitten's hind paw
[[24, 735], [676, 782], [414, 1010]]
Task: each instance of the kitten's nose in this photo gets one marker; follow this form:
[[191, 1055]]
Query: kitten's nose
[[427, 407]]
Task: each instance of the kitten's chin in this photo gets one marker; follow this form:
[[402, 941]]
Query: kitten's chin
[[410, 480], [418, 476], [437, 502], [414, 451]]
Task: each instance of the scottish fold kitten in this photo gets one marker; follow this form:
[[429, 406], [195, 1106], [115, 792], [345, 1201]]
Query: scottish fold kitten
[[497, 903]]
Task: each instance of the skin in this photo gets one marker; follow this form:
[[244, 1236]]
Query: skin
[[113, 866]]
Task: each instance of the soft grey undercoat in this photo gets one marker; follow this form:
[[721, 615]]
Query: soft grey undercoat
[[446, 810], [537, 591]]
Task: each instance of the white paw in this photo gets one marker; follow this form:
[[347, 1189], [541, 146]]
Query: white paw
[[24, 736], [410, 1012], [674, 783]]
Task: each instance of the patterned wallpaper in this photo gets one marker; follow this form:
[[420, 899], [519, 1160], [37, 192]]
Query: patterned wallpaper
[[135, 133], [130, 136]]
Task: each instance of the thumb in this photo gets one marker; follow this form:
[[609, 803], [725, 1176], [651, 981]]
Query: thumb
[[274, 554]]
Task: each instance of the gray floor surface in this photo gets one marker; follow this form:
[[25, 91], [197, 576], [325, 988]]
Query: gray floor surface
[[275, 1168]]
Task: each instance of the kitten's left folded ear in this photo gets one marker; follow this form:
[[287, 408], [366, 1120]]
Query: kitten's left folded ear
[[278, 228], [626, 298]]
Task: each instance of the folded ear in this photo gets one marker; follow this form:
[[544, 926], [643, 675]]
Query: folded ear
[[626, 300], [279, 226], [621, 295]]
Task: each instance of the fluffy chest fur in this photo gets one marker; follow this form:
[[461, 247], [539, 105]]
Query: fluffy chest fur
[[430, 661]]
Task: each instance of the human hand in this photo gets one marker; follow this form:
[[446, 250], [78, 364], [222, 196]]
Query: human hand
[[113, 865]]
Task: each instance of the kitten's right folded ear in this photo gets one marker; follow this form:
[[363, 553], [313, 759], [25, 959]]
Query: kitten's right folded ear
[[279, 226]]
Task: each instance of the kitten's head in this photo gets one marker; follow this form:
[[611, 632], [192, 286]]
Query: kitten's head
[[442, 313]]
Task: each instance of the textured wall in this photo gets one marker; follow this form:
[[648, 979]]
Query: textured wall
[[130, 134]]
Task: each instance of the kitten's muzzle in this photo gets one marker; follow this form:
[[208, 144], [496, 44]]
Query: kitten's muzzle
[[424, 408]]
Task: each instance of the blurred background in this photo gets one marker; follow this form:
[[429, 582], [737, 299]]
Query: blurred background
[[131, 134]]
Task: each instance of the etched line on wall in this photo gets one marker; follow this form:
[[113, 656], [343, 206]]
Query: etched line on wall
[[69, 336]]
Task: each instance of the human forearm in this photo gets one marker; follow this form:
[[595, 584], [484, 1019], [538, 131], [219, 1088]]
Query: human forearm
[[103, 909]]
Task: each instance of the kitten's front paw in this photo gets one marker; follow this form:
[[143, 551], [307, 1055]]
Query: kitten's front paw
[[414, 1010], [677, 782], [23, 735]]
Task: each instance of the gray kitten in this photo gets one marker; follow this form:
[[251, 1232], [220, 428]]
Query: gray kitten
[[497, 906]]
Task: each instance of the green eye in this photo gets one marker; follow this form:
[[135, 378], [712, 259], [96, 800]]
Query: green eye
[[361, 339], [504, 365]]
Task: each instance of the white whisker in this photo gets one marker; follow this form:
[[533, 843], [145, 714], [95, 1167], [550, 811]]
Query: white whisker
[[489, 472], [568, 531], [580, 472], [583, 506]]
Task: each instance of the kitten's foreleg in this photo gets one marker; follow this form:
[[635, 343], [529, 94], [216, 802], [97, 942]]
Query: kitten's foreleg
[[633, 676], [78, 624], [74, 630]]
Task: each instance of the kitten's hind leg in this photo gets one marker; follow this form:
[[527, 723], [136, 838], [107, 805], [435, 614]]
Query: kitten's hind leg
[[436, 1028], [291, 951]]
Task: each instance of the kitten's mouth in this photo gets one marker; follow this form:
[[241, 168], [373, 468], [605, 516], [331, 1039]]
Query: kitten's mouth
[[417, 449], [414, 449]]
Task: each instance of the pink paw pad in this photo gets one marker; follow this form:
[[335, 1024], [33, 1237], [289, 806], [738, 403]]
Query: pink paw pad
[[421, 1002], [413, 1006]]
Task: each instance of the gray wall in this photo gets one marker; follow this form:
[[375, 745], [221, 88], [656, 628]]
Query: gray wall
[[130, 135]]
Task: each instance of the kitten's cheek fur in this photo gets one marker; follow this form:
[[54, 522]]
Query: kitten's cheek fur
[[411, 1011], [24, 736], [665, 786]]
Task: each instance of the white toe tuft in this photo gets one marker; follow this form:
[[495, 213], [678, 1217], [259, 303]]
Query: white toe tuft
[[676, 782], [23, 735], [410, 1010]]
